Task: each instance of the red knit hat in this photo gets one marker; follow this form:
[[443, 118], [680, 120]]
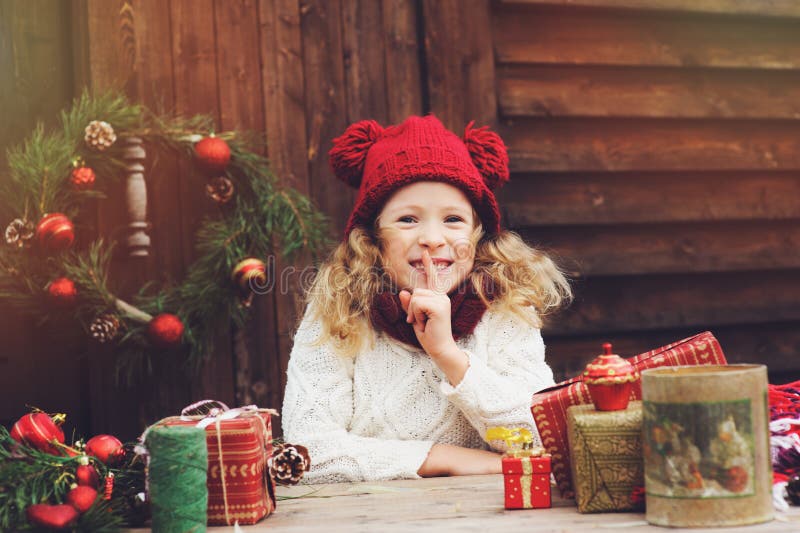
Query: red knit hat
[[378, 161]]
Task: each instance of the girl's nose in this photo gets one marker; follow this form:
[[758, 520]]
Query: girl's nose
[[431, 237]]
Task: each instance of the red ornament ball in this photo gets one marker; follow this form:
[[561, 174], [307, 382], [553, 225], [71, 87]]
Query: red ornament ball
[[39, 431], [107, 448], [86, 476], [82, 178], [165, 331], [81, 498], [51, 516], [62, 292], [55, 232], [213, 154]]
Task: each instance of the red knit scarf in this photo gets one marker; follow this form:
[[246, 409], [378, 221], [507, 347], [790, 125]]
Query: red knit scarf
[[466, 310]]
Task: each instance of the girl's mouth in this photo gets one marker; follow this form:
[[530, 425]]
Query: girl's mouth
[[441, 265]]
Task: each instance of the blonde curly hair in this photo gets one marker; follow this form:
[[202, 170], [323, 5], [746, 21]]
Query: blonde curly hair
[[518, 275]]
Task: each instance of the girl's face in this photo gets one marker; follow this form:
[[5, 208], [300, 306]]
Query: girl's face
[[431, 216]]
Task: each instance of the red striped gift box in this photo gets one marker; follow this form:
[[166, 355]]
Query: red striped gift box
[[239, 442], [549, 406]]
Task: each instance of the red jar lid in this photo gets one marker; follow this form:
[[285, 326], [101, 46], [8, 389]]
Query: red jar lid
[[609, 369]]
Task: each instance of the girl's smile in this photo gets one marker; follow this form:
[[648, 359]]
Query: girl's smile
[[431, 216]]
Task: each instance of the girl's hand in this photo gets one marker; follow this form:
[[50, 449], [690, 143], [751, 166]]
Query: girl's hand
[[429, 311]]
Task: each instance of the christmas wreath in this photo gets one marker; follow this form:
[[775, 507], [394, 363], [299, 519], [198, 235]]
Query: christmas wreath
[[43, 271]]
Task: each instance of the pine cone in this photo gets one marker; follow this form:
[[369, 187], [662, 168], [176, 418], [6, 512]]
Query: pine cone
[[19, 232], [220, 189], [288, 463], [99, 135], [104, 328]]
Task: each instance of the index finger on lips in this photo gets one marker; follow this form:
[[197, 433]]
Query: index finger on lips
[[430, 271]]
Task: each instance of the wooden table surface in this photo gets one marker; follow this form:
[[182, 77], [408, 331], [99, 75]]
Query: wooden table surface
[[462, 504]]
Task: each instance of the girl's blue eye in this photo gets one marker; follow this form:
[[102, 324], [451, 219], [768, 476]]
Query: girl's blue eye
[[407, 219], [454, 218]]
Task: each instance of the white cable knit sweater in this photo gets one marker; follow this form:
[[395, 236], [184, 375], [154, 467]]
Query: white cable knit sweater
[[377, 416]]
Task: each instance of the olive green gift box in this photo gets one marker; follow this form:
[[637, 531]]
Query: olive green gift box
[[605, 450]]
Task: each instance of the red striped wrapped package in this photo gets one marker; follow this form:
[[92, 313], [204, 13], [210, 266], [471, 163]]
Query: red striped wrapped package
[[239, 442], [527, 482], [549, 406]]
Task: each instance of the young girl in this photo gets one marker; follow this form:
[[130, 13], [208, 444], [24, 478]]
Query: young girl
[[422, 329]]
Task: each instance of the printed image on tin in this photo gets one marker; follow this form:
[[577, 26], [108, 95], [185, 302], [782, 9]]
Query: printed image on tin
[[698, 450]]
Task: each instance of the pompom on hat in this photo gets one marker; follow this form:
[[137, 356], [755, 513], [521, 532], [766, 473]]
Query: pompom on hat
[[378, 161]]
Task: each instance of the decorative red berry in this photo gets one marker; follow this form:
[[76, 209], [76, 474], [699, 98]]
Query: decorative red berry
[[82, 178], [62, 292]]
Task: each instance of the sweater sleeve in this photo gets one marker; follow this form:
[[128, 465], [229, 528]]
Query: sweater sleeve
[[504, 372], [317, 413]]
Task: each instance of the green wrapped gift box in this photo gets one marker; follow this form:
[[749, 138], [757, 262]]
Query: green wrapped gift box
[[606, 457]]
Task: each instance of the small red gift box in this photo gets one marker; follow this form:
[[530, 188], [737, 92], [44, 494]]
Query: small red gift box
[[239, 443], [549, 407], [527, 482]]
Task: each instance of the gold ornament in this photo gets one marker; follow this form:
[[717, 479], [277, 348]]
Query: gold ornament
[[99, 135], [19, 232], [250, 276]]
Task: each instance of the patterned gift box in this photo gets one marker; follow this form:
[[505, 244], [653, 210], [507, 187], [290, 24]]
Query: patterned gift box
[[239, 445], [527, 482], [549, 406], [605, 449]]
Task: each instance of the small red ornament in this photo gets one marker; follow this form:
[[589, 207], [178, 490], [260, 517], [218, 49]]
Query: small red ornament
[[82, 178], [106, 448], [81, 498], [610, 379], [55, 232], [109, 488], [86, 475], [165, 331], [213, 154], [62, 292], [51, 516], [40, 431]]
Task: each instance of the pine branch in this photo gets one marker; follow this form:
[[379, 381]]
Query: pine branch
[[89, 272], [28, 476]]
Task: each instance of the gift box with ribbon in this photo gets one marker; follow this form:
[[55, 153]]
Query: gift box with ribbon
[[526, 470], [239, 442], [549, 406]]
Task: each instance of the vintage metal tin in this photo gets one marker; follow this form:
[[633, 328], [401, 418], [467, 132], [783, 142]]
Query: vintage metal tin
[[706, 446]]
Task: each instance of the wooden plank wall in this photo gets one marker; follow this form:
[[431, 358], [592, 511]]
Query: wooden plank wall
[[655, 149], [42, 365], [297, 71]]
